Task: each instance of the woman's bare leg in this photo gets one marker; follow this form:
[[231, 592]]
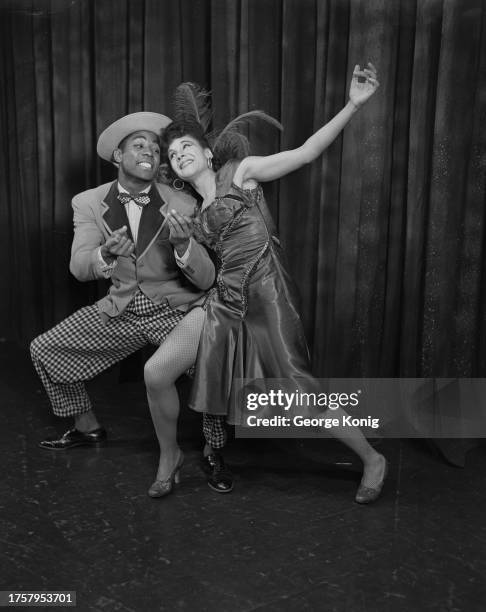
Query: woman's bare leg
[[373, 462]]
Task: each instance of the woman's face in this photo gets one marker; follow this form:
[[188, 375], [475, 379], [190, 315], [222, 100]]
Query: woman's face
[[187, 157]]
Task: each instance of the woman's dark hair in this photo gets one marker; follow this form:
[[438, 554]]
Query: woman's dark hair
[[177, 129]]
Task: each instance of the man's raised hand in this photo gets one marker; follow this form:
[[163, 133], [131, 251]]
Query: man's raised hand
[[117, 245]]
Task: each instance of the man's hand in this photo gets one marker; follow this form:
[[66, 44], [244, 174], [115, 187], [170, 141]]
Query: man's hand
[[181, 230], [117, 245]]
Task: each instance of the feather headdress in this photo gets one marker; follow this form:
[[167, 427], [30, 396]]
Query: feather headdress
[[230, 143], [192, 104]]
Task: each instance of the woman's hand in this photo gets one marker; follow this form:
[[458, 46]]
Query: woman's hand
[[181, 230], [361, 91]]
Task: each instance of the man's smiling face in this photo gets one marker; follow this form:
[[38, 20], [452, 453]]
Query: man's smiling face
[[138, 156]]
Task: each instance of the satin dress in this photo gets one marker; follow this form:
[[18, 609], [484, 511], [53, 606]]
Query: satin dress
[[252, 329]]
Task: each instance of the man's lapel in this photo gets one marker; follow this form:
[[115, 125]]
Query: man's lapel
[[113, 212], [151, 222]]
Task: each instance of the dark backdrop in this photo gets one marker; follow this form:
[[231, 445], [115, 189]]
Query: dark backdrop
[[385, 234]]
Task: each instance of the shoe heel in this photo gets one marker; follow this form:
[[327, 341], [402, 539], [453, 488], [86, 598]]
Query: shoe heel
[[161, 488]]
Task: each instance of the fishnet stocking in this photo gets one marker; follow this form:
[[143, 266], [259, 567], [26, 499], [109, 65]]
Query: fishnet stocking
[[174, 357], [178, 351]]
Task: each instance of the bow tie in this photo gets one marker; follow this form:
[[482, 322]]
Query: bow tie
[[142, 199]]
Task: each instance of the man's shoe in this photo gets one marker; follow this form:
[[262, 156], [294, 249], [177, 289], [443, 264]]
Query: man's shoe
[[220, 479], [74, 437]]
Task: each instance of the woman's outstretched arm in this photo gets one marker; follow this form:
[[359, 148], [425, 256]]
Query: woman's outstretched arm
[[273, 167]]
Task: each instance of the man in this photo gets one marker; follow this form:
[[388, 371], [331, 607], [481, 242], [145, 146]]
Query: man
[[121, 233]]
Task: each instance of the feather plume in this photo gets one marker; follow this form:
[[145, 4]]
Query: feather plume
[[193, 103], [230, 143]]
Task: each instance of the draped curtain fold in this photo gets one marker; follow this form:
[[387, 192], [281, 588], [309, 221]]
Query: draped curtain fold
[[384, 234]]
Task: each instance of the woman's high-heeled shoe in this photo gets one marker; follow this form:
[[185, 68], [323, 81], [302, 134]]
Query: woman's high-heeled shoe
[[367, 495], [161, 488]]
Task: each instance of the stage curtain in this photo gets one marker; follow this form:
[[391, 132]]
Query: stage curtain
[[384, 234]]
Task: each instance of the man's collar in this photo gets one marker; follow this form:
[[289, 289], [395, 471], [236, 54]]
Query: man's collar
[[123, 190]]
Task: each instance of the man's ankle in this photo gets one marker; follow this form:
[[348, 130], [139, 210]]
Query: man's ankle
[[86, 422]]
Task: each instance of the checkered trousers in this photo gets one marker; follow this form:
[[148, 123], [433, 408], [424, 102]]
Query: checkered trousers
[[214, 429], [82, 346]]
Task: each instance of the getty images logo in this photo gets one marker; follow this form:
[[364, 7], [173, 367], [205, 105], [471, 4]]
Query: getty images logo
[[297, 399]]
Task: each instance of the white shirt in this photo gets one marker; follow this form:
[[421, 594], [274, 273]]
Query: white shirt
[[134, 214]]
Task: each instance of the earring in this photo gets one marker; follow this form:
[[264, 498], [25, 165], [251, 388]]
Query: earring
[[210, 163], [178, 184]]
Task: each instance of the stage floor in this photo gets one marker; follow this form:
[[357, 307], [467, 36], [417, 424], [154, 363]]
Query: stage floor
[[289, 537]]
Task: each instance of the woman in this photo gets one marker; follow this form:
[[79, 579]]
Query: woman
[[249, 326]]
